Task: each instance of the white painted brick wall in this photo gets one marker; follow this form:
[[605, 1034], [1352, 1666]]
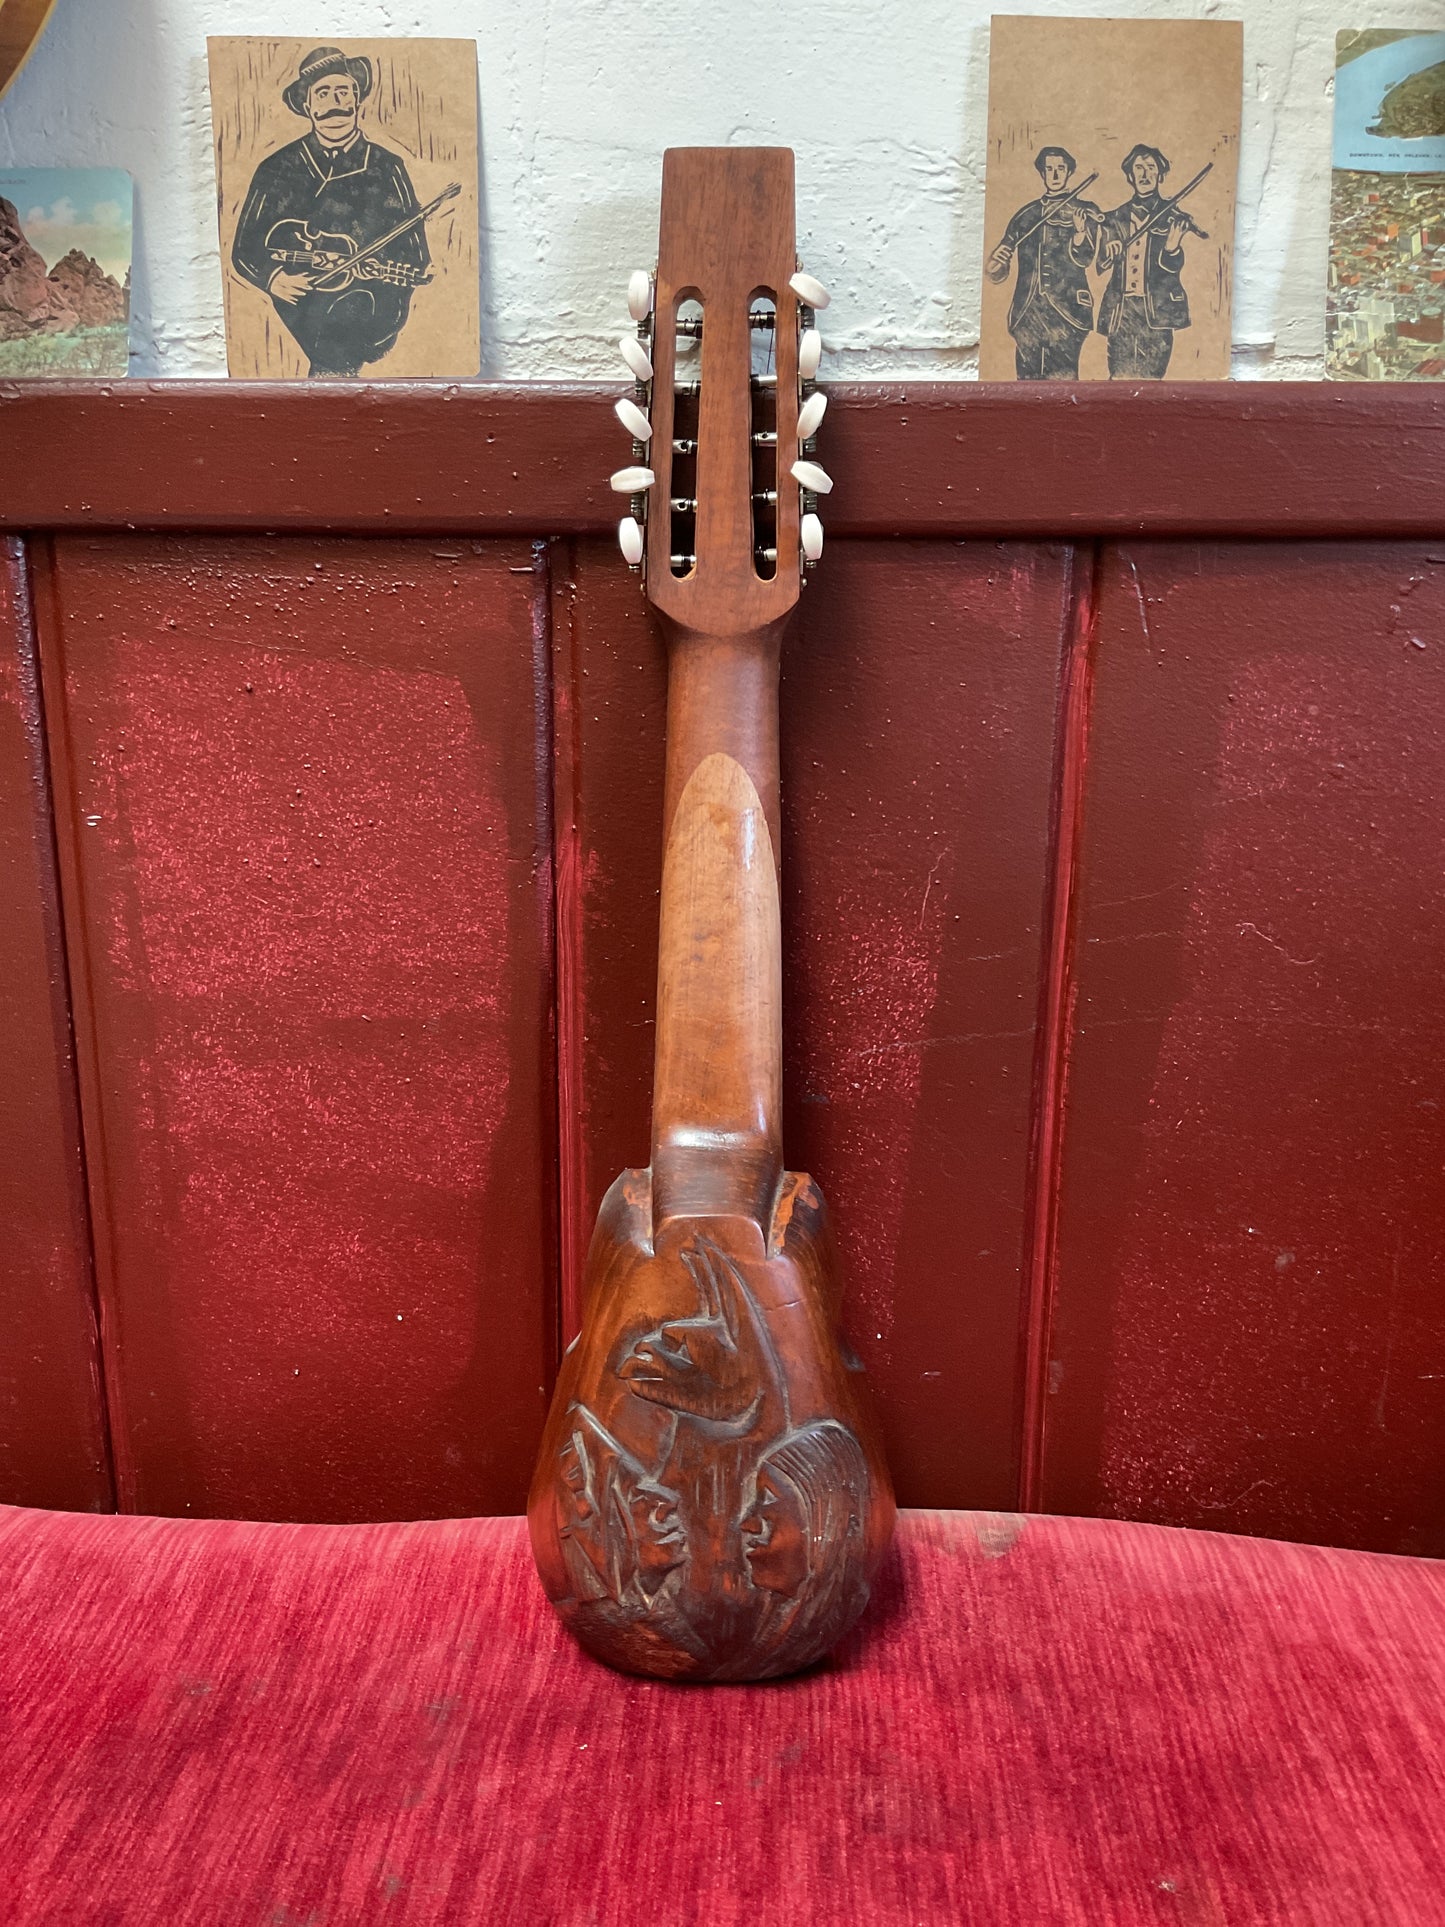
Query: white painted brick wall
[[884, 104]]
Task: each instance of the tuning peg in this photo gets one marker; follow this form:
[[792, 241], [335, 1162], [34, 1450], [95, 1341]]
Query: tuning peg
[[636, 356], [639, 295], [806, 474], [810, 292], [810, 534], [636, 481], [629, 539], [810, 353], [634, 421], [809, 416]]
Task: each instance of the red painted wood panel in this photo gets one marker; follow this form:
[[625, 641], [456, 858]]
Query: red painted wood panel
[[609, 698], [307, 854], [52, 1419], [1249, 1321], [920, 690], [951, 458]]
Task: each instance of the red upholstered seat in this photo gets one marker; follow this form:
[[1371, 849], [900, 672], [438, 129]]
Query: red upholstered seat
[[1042, 1721]]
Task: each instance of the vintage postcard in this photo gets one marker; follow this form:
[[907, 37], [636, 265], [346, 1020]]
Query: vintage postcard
[[1113, 150], [346, 183], [65, 237], [1385, 310]]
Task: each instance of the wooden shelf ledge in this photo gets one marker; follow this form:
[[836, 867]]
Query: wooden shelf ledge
[[1227, 459]]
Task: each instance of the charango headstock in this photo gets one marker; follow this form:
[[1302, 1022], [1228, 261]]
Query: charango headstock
[[723, 515]]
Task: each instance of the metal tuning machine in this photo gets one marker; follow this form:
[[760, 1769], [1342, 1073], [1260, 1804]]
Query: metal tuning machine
[[632, 410], [813, 480]]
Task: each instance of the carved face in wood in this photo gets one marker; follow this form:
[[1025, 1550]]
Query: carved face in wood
[[658, 1536], [807, 1506], [775, 1537], [620, 1526]]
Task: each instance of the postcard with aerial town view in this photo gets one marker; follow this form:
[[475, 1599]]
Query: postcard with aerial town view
[[346, 182], [65, 235], [1385, 312], [1113, 150]]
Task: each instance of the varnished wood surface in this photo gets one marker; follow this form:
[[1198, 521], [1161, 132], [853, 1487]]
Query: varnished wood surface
[[1247, 459], [727, 234], [711, 1498]]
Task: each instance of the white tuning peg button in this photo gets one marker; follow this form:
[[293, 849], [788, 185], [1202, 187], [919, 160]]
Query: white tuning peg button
[[636, 481], [636, 356], [629, 537], [812, 293], [810, 534], [810, 353], [634, 421], [806, 474], [639, 295], [809, 416]]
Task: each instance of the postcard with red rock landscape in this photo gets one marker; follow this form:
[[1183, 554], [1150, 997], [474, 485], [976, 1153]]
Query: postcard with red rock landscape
[[1385, 311], [65, 238]]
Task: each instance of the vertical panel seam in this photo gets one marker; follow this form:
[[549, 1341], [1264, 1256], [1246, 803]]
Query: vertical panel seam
[[1056, 1015], [568, 913], [545, 844], [66, 915]]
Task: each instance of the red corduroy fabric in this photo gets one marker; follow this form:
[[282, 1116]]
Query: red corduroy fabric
[[1042, 1721]]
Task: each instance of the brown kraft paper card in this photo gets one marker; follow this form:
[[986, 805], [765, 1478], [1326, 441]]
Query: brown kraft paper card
[[346, 182], [1113, 150]]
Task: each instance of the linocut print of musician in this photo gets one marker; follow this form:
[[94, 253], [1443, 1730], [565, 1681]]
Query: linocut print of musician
[[1053, 238], [331, 228], [1141, 247]]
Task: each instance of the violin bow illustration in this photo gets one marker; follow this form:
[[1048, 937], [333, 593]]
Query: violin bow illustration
[[1156, 215], [998, 274], [1054, 206]]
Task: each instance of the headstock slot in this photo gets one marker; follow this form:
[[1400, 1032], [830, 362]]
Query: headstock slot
[[767, 469], [688, 332]]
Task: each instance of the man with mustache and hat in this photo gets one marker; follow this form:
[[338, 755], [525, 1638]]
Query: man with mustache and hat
[[348, 191]]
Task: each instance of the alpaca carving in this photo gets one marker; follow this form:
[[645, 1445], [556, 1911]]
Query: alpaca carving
[[705, 1365]]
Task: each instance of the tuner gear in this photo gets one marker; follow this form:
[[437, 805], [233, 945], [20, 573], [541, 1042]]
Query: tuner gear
[[636, 423], [808, 290], [810, 415], [636, 356], [807, 475]]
